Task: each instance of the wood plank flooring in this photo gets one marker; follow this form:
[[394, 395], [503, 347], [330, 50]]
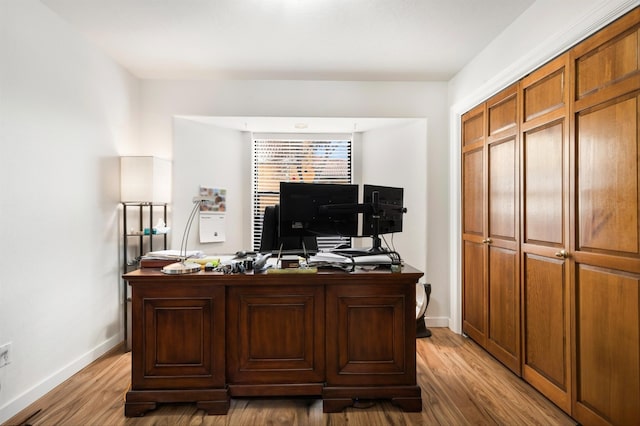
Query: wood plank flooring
[[461, 385]]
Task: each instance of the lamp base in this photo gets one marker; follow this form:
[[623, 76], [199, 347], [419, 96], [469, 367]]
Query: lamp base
[[421, 329], [178, 268]]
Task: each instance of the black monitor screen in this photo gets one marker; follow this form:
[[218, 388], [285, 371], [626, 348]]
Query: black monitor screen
[[303, 209], [390, 209]]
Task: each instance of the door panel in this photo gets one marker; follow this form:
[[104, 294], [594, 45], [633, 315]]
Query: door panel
[[546, 313], [504, 307], [544, 94], [608, 63], [607, 350], [473, 195], [473, 127], [608, 178], [502, 190], [544, 185], [503, 113], [474, 310]]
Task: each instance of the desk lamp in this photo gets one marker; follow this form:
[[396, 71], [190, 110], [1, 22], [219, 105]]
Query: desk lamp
[[183, 266]]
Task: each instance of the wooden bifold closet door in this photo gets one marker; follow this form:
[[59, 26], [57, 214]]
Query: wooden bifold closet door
[[546, 342], [551, 226], [606, 255], [491, 297]]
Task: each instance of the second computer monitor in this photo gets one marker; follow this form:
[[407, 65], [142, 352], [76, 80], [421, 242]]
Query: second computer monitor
[[389, 206]]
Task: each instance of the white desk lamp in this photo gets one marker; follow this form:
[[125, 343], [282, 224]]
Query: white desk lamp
[[183, 266]]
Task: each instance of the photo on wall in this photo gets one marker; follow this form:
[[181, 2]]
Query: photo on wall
[[213, 215]]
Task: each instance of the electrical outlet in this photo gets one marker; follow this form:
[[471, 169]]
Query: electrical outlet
[[5, 354]]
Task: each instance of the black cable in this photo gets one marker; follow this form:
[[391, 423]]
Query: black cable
[[395, 257]]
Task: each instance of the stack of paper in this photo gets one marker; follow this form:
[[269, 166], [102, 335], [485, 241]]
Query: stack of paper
[[159, 259], [325, 256], [373, 259], [340, 261], [173, 254]]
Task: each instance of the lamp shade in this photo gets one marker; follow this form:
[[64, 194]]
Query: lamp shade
[[145, 179]]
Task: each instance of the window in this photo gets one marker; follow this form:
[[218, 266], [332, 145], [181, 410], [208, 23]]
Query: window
[[311, 161]]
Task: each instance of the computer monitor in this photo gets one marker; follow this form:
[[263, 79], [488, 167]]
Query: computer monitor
[[386, 209], [271, 241], [270, 232], [316, 209]]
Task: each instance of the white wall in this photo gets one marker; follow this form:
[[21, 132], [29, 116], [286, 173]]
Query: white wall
[[164, 99], [66, 112], [397, 156], [546, 29], [427, 102], [216, 157]]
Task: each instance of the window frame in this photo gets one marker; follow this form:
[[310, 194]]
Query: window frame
[[257, 210]]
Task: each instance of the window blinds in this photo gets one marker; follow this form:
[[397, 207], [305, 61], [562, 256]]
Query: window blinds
[[309, 161]]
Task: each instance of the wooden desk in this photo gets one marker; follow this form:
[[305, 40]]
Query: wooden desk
[[207, 337]]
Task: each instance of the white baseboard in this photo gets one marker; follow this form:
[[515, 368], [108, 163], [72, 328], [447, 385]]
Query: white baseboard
[[437, 322], [36, 392]]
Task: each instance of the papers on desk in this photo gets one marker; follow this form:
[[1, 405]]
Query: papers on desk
[[159, 259], [173, 254], [373, 259], [328, 259]]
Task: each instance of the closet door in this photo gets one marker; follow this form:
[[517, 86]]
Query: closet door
[[491, 294], [474, 290], [503, 336], [545, 232], [606, 258]]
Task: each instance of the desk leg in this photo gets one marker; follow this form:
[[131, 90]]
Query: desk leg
[[214, 407], [138, 409], [213, 401], [336, 399]]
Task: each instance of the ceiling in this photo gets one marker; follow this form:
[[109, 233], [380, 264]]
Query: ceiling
[[357, 40]]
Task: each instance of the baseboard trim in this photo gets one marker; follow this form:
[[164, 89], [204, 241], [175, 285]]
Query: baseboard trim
[[437, 322], [22, 401]]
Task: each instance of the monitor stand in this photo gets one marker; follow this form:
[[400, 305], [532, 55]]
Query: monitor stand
[[376, 248], [299, 246]]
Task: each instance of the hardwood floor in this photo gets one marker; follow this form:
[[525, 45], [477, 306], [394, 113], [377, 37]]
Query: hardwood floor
[[461, 385]]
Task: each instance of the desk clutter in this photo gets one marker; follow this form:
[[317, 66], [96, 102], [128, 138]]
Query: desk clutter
[[251, 262]]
